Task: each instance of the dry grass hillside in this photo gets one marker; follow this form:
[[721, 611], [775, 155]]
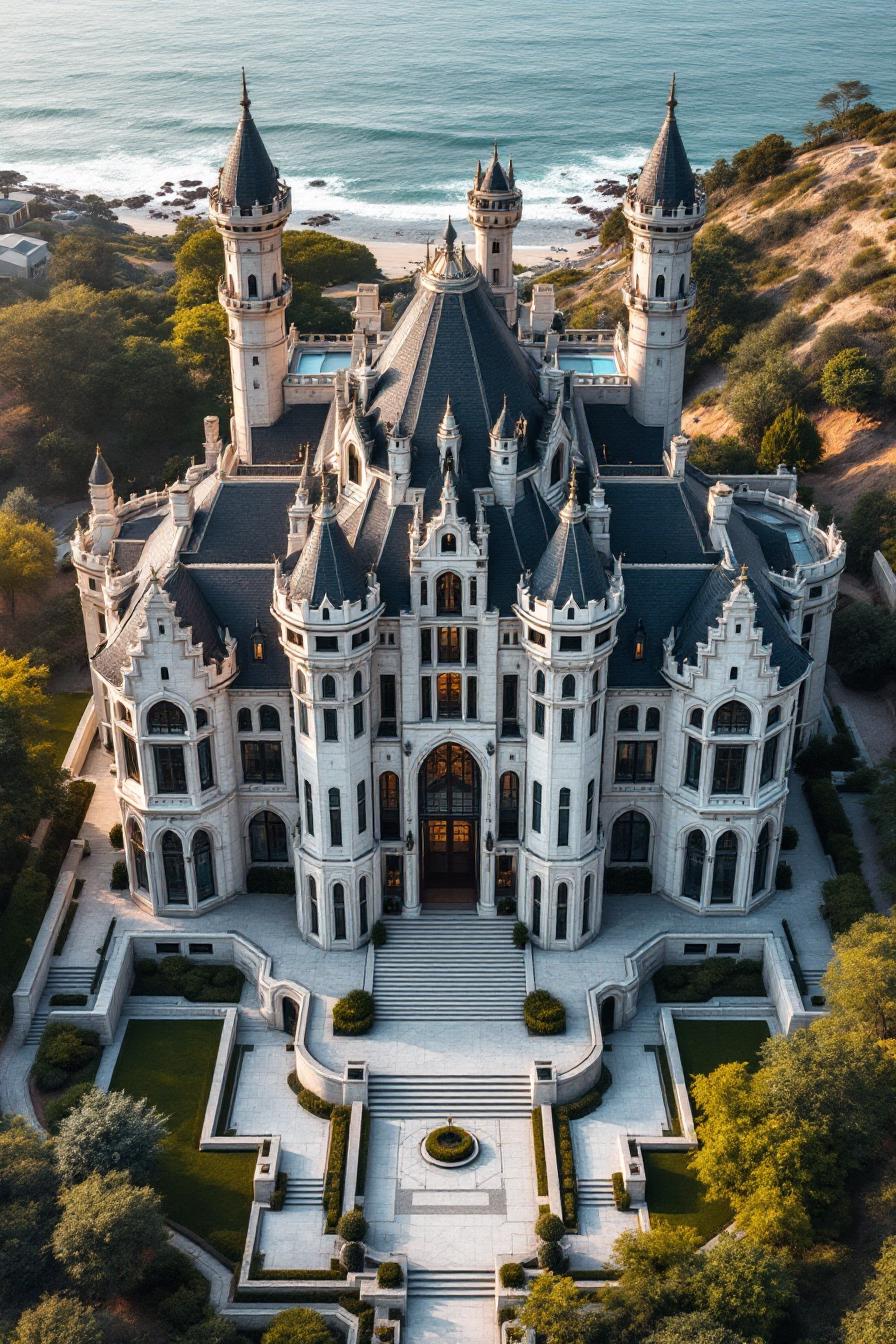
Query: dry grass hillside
[[823, 236]]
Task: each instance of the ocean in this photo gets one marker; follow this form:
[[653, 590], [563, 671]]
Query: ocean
[[390, 105]]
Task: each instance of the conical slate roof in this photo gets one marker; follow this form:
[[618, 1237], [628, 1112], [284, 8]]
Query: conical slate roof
[[495, 178], [570, 566], [327, 567], [667, 178], [99, 473], [248, 177]]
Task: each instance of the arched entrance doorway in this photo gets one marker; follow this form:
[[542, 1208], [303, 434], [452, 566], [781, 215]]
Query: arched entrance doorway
[[608, 1015], [449, 826], [290, 1016]]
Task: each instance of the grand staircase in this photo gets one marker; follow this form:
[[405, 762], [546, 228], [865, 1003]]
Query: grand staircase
[[438, 1096], [451, 1282], [60, 980], [449, 968]]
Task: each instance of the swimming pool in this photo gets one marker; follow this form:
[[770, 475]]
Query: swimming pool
[[322, 361], [591, 364]]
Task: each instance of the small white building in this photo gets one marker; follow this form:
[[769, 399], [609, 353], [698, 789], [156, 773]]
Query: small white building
[[14, 211], [450, 620], [23, 258]]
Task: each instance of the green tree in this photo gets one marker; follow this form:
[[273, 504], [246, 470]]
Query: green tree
[[793, 439], [694, 1327], [22, 504], [109, 1131], [58, 1319], [842, 98], [10, 179], [199, 339], [198, 266], [61, 460], [746, 1287], [84, 261], [870, 526], [860, 982], [758, 398], [614, 229], [726, 456], [28, 1187], [108, 1232], [725, 296], [874, 1322], [150, 375], [313, 257], [310, 311], [882, 810], [719, 176], [23, 687], [298, 1325], [657, 1280], [850, 381], [27, 557], [553, 1310], [863, 645], [766, 158]]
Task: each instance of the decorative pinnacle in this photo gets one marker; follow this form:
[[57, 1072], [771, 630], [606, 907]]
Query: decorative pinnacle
[[744, 573], [572, 496], [672, 101], [450, 235], [245, 100]]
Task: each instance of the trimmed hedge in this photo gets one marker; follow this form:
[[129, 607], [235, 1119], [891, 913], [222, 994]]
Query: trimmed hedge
[[832, 824], [351, 1257], [548, 1227], [790, 837], [512, 1275], [273, 881], [628, 881], [519, 935], [68, 1000], [389, 1274], [66, 1055], [708, 979], [450, 1143], [352, 1225], [310, 1101], [541, 1166], [543, 1014], [334, 1178], [119, 880], [846, 899], [589, 1101], [353, 1013], [116, 836], [569, 1196], [620, 1194], [198, 981], [378, 934], [783, 876], [550, 1256]]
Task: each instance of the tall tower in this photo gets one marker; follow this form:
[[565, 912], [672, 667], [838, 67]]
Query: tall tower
[[664, 209], [249, 207], [494, 208]]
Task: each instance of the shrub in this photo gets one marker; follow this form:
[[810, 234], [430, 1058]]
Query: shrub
[[541, 1168], [450, 1143], [334, 1177], [790, 837], [757, 397], [68, 1000], [64, 1052], [310, 1101], [850, 381], [520, 934], [726, 456], [353, 1013], [845, 855], [352, 1225], [820, 756], [298, 1325], [274, 881], [548, 1227], [351, 1257], [863, 645], [783, 876], [109, 1131], [59, 1319], [590, 1100], [620, 1194], [56, 1110], [707, 979], [512, 1275], [791, 438], [766, 158], [846, 899], [119, 879], [543, 1014], [628, 881], [550, 1256], [862, 780], [378, 935], [389, 1274], [198, 981], [116, 836], [827, 810]]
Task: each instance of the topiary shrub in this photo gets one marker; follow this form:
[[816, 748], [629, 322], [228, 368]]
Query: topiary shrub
[[550, 1256], [351, 1257], [620, 1194], [783, 876], [378, 935], [846, 899], [353, 1013], [389, 1274], [543, 1014], [450, 1143], [116, 836], [64, 1052], [352, 1225], [512, 1275], [520, 934], [119, 879], [844, 853], [548, 1227], [790, 837]]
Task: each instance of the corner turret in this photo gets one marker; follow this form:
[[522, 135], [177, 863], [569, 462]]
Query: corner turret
[[494, 208]]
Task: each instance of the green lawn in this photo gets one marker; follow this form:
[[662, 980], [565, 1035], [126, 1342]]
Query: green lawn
[[63, 713], [674, 1194], [171, 1064]]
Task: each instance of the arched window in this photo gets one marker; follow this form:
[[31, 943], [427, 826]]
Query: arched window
[[335, 807], [363, 915], [274, 283], [694, 861], [138, 857], [724, 869], [732, 717], [449, 595], [568, 687], [563, 817], [203, 866], [309, 808], [652, 721], [681, 286], [586, 906], [354, 465], [390, 817], [268, 719], [760, 863], [339, 930], [252, 286], [300, 683], [774, 716], [328, 687], [201, 718], [509, 807], [595, 684], [628, 719], [164, 717], [449, 544], [175, 869], [557, 467], [267, 838], [244, 721], [313, 912], [660, 286], [695, 718], [562, 916], [358, 684], [536, 906], [630, 839], [539, 683]]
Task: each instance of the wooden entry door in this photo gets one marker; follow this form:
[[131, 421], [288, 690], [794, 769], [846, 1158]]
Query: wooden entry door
[[450, 853]]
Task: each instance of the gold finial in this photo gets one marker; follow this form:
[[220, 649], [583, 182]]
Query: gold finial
[[744, 573], [572, 485]]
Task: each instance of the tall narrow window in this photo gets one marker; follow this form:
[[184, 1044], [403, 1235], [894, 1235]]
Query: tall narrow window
[[174, 868], [589, 807], [449, 596], [694, 861], [536, 906], [339, 929], [472, 708], [760, 863], [206, 768], [563, 817], [388, 703], [203, 866], [510, 705], [567, 725], [131, 760], [426, 698], [630, 838], [335, 807], [331, 726], [313, 912], [769, 765], [358, 718], [562, 912], [362, 806], [586, 905], [660, 286], [244, 720], [538, 718], [592, 718], [692, 762], [390, 822], [363, 914], [448, 695], [426, 645], [536, 805], [252, 283], [724, 869], [138, 857], [267, 838], [309, 808], [472, 647], [509, 806]]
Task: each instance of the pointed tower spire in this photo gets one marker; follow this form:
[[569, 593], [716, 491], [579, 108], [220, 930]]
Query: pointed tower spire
[[500, 429], [245, 100], [672, 101], [248, 177], [667, 178], [450, 235]]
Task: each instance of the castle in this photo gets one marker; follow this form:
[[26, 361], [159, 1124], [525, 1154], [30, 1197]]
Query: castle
[[450, 620]]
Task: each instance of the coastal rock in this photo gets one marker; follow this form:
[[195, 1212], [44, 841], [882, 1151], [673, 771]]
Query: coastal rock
[[136, 202], [318, 221], [583, 209], [317, 182], [190, 182], [609, 186], [573, 200]]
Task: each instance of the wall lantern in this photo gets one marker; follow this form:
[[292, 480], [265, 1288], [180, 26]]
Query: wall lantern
[[408, 747], [258, 644], [489, 842], [409, 841], [640, 642]]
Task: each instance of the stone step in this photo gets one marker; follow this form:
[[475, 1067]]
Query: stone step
[[405, 1096], [451, 1282], [36, 1030], [303, 1191]]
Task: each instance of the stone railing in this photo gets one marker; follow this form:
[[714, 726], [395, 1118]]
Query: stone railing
[[27, 994], [82, 740]]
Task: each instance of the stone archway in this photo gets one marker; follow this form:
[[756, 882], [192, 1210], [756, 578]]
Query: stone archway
[[608, 1015], [450, 795]]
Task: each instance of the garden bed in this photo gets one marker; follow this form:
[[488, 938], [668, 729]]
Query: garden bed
[[715, 977], [198, 981]]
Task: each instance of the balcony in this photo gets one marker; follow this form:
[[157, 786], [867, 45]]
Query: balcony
[[235, 303], [679, 303]]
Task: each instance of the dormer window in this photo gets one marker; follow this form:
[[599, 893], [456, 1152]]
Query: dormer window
[[640, 645], [449, 544], [259, 645]]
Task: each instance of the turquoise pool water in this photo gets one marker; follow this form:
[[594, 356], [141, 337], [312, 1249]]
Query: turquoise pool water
[[589, 363], [322, 361]]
